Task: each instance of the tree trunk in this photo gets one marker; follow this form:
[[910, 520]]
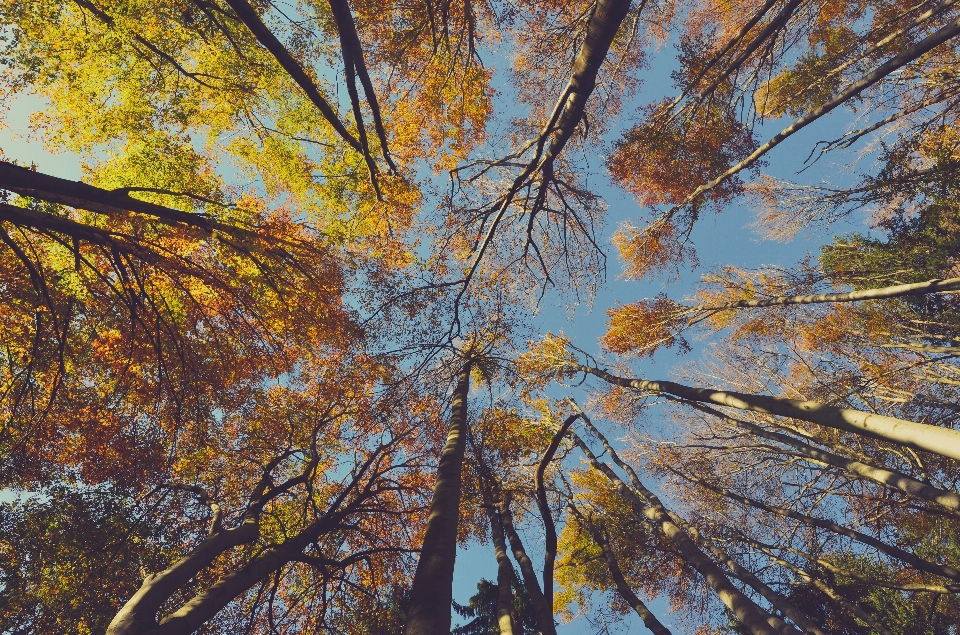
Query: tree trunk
[[754, 619], [911, 53], [883, 476], [431, 596], [550, 528], [504, 575], [895, 291], [544, 615], [919, 436], [649, 619], [778, 601], [894, 552]]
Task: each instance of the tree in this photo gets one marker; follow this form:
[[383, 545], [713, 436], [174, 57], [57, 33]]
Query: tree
[[483, 608], [240, 348]]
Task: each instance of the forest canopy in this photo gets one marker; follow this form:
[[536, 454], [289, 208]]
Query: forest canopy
[[309, 316]]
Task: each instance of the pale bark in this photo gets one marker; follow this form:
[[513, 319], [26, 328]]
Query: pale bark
[[894, 552], [623, 588], [908, 55], [504, 574], [550, 529], [827, 590], [895, 291], [431, 595], [540, 608], [890, 478], [752, 616], [775, 599], [919, 436]]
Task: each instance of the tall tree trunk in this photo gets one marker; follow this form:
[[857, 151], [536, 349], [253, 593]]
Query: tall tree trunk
[[890, 478], [649, 619], [756, 620], [540, 608], [504, 574], [550, 528], [431, 597], [778, 601], [896, 291], [912, 559], [919, 436]]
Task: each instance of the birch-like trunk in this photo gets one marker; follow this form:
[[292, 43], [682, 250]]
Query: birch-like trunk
[[540, 608], [649, 619], [883, 476], [919, 436], [431, 596], [756, 620], [778, 601], [504, 575], [895, 291]]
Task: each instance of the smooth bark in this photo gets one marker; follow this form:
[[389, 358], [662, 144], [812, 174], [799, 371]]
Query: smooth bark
[[530, 581], [54, 189], [894, 552], [431, 595], [890, 478], [752, 616], [504, 574], [907, 55], [919, 436], [646, 615], [778, 601], [550, 528], [895, 291]]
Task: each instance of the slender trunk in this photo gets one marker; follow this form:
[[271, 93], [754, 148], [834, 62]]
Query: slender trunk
[[909, 54], [544, 615], [431, 596], [895, 291], [894, 552], [919, 436], [883, 476], [778, 601], [827, 590], [756, 620], [269, 41], [504, 575], [649, 619], [550, 528]]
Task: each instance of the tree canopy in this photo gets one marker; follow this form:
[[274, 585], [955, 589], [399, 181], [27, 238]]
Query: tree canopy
[[293, 335]]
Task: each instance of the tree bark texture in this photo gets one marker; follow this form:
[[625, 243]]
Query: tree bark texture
[[778, 601], [649, 619], [504, 574], [895, 291], [550, 528], [431, 596], [540, 608], [883, 476], [919, 436], [752, 616]]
